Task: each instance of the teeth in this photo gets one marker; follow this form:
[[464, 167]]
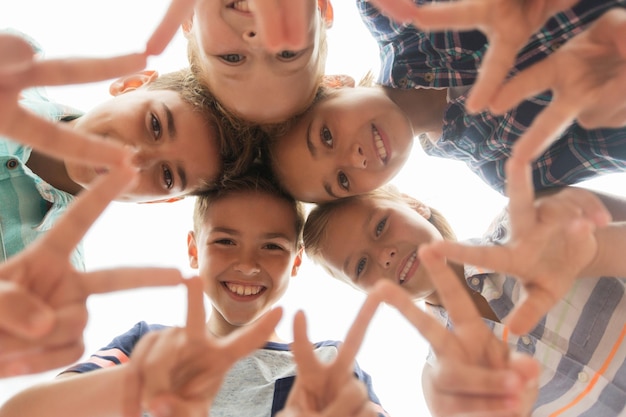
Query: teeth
[[407, 266], [380, 145], [244, 289], [241, 5]]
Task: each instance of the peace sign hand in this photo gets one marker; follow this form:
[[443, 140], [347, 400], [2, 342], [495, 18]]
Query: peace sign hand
[[474, 373], [507, 24], [178, 371], [19, 69], [552, 241], [587, 77], [55, 292], [330, 389]]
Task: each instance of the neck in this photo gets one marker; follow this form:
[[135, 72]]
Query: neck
[[219, 327], [423, 106], [52, 171], [479, 301]]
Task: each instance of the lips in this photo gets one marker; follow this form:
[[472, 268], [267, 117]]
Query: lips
[[381, 145], [407, 268]]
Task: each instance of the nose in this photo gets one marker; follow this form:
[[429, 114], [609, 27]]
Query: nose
[[356, 157], [251, 37], [247, 265], [385, 257]]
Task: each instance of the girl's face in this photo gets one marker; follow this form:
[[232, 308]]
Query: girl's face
[[253, 82], [372, 239], [350, 143]]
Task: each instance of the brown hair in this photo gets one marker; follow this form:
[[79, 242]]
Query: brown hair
[[258, 178], [317, 221], [238, 147]]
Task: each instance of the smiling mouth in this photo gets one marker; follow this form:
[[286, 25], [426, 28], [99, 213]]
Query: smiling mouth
[[241, 6], [408, 266], [243, 290], [379, 143]]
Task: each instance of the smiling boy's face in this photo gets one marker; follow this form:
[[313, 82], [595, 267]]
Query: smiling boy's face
[[371, 239], [245, 251], [349, 143], [177, 149], [256, 84]]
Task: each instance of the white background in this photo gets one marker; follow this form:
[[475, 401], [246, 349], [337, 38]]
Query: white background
[[155, 234]]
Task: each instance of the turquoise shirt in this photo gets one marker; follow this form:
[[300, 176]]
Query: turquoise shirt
[[28, 205]]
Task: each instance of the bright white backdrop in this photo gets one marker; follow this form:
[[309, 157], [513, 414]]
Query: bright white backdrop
[[154, 234]]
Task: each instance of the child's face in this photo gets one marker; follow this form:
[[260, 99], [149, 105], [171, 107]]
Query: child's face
[[176, 148], [245, 252], [349, 143], [372, 239], [252, 82]]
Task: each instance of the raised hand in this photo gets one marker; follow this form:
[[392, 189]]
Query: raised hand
[[587, 76], [552, 241], [41, 283], [20, 69], [179, 371], [330, 389], [507, 24], [474, 373]]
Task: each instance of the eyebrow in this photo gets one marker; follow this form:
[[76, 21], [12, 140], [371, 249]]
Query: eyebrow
[[171, 127], [309, 142], [183, 176]]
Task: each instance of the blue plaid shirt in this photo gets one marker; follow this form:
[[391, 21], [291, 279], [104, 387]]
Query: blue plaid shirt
[[414, 59]]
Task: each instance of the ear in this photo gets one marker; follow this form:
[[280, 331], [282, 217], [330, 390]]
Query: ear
[[297, 262], [187, 25], [192, 250], [326, 10], [165, 200], [338, 81], [132, 82]]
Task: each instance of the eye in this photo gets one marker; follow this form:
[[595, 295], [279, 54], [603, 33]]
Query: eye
[[360, 266], [380, 226], [155, 125], [225, 241], [286, 55], [326, 136], [343, 181], [168, 177], [273, 246], [232, 58]]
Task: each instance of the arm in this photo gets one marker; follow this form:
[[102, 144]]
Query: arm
[[103, 398]]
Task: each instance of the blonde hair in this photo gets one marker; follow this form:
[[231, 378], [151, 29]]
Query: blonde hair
[[257, 179], [316, 225]]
